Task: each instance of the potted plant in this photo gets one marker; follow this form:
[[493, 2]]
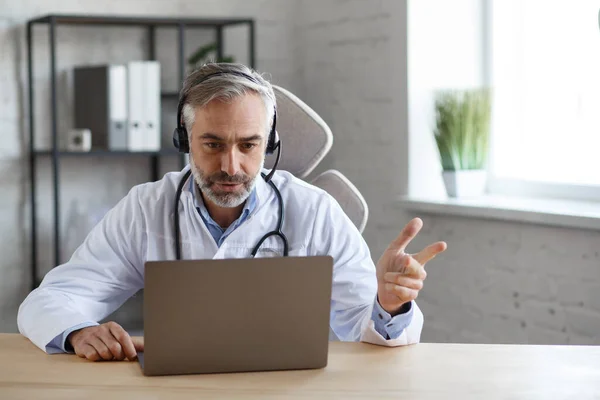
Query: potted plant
[[462, 133], [206, 53]]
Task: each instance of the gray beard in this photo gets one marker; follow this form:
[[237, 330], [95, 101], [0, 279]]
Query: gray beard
[[224, 199]]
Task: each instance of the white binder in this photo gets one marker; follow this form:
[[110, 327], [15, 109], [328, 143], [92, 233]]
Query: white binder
[[152, 105], [117, 107], [135, 106]]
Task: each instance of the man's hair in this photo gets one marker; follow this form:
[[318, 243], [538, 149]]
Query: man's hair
[[224, 87]]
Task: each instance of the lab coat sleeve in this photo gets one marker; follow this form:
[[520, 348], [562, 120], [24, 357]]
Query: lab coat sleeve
[[101, 275], [354, 287]]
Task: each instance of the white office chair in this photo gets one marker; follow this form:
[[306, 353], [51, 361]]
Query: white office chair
[[306, 141]]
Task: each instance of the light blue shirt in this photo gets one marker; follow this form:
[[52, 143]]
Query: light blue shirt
[[387, 326], [218, 233]]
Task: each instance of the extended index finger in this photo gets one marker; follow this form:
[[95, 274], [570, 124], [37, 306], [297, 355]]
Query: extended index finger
[[407, 234], [429, 252]]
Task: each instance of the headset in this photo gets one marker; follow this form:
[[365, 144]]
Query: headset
[[181, 142]]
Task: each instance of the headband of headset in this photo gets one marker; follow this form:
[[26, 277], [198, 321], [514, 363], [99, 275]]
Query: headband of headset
[[180, 134]]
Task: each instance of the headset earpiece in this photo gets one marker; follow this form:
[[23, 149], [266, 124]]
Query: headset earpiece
[[180, 135], [180, 140], [273, 141]]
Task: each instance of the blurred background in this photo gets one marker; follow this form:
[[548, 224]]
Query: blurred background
[[479, 116]]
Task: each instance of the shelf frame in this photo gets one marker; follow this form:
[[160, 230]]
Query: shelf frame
[[150, 23]]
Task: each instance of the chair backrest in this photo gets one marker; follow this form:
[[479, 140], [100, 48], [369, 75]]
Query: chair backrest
[[306, 140], [346, 194]]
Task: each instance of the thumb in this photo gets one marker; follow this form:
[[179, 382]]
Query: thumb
[[138, 343]]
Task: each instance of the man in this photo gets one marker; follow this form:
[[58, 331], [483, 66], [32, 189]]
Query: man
[[227, 111]]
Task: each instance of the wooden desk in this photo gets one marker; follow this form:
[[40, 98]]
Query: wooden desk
[[355, 370]]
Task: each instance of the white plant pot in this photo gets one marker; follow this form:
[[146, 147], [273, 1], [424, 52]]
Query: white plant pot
[[467, 183]]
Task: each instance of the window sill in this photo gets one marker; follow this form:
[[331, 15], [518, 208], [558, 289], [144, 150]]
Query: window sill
[[555, 212]]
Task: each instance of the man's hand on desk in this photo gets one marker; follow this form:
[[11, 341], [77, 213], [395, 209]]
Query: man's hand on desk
[[108, 341], [400, 275]]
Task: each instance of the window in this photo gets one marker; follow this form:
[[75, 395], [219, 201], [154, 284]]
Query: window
[[544, 62]]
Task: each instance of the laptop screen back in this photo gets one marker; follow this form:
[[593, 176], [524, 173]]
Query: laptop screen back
[[236, 315]]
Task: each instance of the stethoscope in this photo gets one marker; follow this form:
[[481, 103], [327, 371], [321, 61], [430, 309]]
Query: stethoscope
[[276, 232]]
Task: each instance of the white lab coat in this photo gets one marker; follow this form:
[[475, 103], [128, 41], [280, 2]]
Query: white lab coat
[[108, 267]]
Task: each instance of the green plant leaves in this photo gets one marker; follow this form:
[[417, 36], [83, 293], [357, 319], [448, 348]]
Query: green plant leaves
[[203, 52], [462, 128]]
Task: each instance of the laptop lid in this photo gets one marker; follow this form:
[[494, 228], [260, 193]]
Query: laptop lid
[[234, 315]]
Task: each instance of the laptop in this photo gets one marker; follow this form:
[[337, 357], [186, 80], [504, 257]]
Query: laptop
[[236, 315]]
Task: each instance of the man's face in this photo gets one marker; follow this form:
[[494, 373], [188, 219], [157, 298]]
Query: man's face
[[227, 148]]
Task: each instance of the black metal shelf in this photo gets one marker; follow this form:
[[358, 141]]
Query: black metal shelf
[[67, 19], [170, 95], [116, 153], [55, 154]]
